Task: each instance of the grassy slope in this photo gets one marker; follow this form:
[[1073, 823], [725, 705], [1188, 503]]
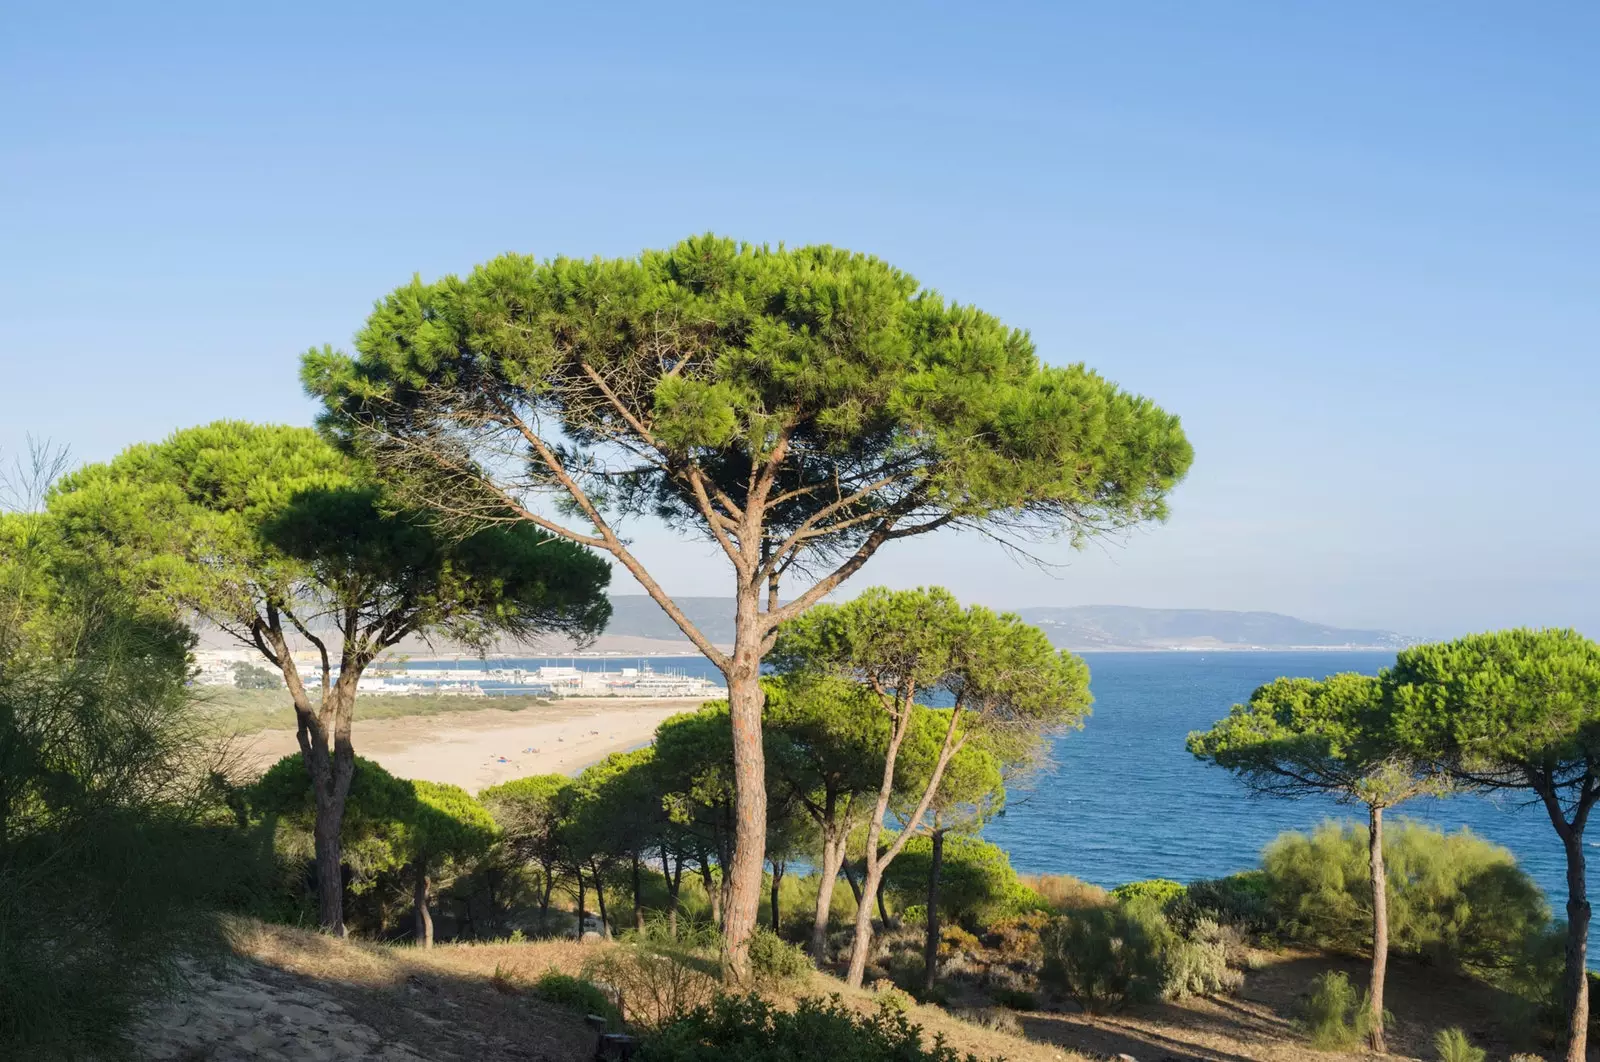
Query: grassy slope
[[450, 1003]]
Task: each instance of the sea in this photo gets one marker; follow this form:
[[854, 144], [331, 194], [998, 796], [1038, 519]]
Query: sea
[[1124, 800]]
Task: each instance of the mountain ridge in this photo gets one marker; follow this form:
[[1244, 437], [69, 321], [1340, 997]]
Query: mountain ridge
[[1077, 627]]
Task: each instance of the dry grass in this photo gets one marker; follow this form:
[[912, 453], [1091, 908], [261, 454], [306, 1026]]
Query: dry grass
[[1065, 892], [435, 999]]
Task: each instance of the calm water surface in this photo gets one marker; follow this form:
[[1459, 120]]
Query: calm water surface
[[1126, 801]]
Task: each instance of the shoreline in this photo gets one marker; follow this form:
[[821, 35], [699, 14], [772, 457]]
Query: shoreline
[[478, 749]]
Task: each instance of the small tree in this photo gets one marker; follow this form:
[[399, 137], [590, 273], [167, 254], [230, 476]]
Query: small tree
[[827, 742], [444, 825], [1003, 676], [392, 824], [971, 793], [271, 534], [529, 813], [694, 769], [800, 408], [1298, 737], [617, 813], [1518, 709]]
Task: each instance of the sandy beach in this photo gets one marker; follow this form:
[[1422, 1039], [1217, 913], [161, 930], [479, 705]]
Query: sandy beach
[[478, 749]]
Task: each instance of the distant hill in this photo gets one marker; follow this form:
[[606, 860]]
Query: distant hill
[[1073, 627], [1124, 627]]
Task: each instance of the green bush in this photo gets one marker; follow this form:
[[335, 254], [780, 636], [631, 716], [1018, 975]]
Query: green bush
[[775, 959], [816, 1030], [1453, 1046], [1106, 958], [583, 996], [977, 884], [1160, 891], [1240, 900], [1196, 963], [1453, 898], [1336, 1017]]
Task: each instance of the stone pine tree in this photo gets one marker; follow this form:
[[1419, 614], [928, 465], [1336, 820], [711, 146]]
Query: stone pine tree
[[1301, 737], [528, 812], [276, 538], [800, 408], [443, 825], [1518, 710], [1003, 677]]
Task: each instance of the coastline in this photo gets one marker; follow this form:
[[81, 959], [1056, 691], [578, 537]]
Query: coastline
[[478, 749]]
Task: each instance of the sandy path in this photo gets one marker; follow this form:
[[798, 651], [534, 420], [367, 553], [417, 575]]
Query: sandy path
[[478, 749]]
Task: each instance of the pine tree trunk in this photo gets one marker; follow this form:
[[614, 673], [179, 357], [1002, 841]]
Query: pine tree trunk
[[745, 702], [580, 903], [713, 890], [638, 899], [777, 880], [832, 859], [674, 885], [600, 900], [863, 940], [883, 908], [1576, 981], [850, 879], [930, 948], [330, 863], [423, 921], [1380, 927]]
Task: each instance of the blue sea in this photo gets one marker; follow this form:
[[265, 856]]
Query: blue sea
[[1125, 800]]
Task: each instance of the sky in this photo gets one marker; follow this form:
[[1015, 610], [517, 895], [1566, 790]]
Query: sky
[[1352, 245]]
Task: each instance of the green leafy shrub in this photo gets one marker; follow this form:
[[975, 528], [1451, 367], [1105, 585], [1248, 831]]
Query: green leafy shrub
[[775, 959], [1242, 900], [976, 882], [1196, 963], [1453, 898], [1106, 958], [579, 994], [1336, 1017], [1160, 891], [1452, 1045], [753, 1030]]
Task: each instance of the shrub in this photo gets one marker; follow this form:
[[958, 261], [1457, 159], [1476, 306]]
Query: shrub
[[1014, 998], [1335, 1016], [775, 959], [1452, 1045], [953, 940], [579, 994], [1018, 938], [1160, 891], [752, 1030], [976, 882], [990, 1018], [1241, 900], [1107, 957], [654, 987], [1063, 893], [1196, 963], [1453, 898]]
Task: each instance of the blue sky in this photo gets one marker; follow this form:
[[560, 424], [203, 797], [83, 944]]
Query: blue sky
[[1353, 245]]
